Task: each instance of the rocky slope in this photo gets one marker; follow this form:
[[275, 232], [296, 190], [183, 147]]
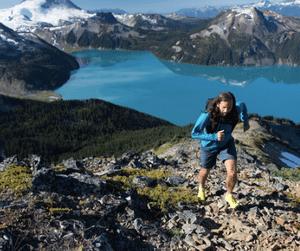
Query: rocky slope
[[241, 36], [100, 31], [146, 201], [28, 63], [113, 31]]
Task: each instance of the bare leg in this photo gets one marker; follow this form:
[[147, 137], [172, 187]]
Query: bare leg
[[231, 177], [203, 176]]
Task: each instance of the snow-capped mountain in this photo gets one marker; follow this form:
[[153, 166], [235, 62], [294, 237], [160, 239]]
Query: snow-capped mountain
[[30, 13], [144, 21], [205, 12], [251, 21], [155, 22], [241, 36], [99, 31], [287, 8]]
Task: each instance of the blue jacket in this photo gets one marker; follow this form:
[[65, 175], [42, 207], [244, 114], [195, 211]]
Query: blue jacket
[[209, 141]]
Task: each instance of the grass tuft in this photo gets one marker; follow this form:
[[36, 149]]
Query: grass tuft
[[17, 179]]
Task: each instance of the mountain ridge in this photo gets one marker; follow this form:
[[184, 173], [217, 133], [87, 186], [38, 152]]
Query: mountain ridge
[[28, 63], [240, 37]]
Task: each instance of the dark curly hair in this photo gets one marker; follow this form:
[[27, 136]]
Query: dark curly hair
[[215, 115]]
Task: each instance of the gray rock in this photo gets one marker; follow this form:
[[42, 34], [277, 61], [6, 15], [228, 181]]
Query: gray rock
[[200, 230], [149, 159], [240, 236], [254, 213], [72, 166], [6, 240], [143, 181], [226, 244], [280, 187], [187, 216], [112, 203], [7, 162], [175, 180], [136, 164], [189, 240], [110, 169], [35, 162], [102, 243], [138, 224], [43, 179], [189, 228]]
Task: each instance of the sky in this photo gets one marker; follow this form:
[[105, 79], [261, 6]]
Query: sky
[[161, 6]]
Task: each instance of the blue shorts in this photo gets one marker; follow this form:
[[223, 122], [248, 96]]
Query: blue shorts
[[208, 158]]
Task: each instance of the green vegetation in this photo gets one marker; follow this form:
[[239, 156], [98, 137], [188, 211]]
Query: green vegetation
[[126, 175], [163, 148], [176, 231], [78, 129], [164, 197], [295, 200], [59, 168], [58, 210], [17, 179], [160, 196], [288, 173]]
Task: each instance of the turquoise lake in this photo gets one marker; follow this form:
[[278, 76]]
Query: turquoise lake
[[178, 92]]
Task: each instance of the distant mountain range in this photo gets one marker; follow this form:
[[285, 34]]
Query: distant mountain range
[[205, 12], [287, 8], [105, 10], [239, 36], [37, 13]]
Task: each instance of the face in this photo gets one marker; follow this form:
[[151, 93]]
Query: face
[[224, 107]]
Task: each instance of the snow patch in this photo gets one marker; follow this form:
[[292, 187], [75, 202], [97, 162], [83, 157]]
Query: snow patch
[[148, 19], [212, 29], [3, 37], [9, 40], [290, 3], [248, 12], [127, 19], [177, 49], [131, 20], [290, 159]]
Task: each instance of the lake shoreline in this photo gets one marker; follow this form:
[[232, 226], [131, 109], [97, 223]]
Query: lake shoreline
[[137, 78]]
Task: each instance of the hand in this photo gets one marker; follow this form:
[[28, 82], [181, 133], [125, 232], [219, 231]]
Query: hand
[[220, 135], [246, 126]]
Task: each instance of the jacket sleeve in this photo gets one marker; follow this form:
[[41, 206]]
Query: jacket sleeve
[[243, 114], [199, 130]]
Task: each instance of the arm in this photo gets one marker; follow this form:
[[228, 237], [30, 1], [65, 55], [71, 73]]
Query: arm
[[243, 113], [199, 131]]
